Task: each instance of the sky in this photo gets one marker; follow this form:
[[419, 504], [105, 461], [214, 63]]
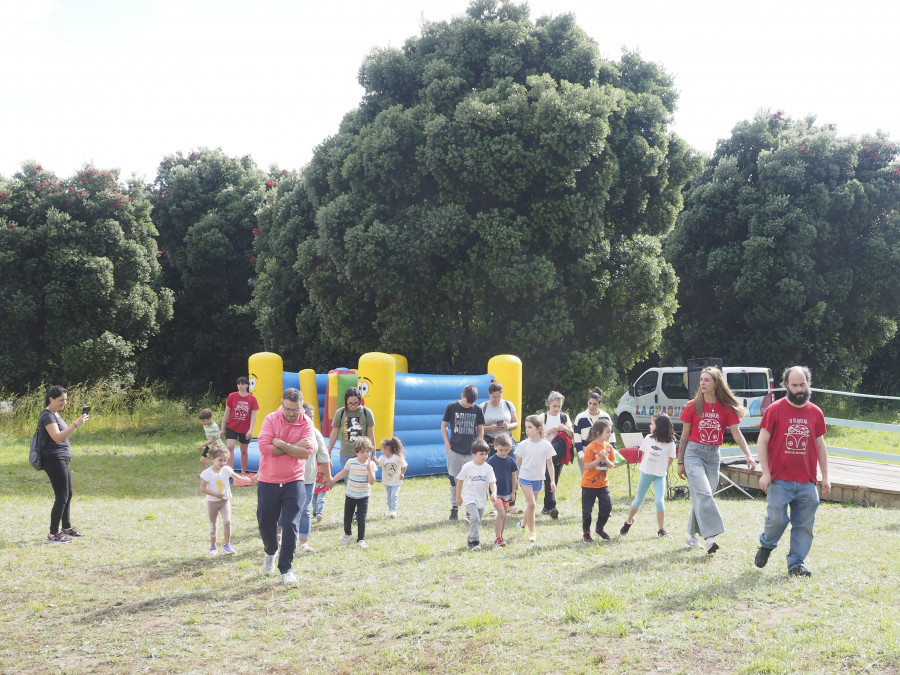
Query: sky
[[124, 84]]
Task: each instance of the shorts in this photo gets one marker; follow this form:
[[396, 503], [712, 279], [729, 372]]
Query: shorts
[[205, 451], [241, 438], [506, 499], [535, 485], [455, 462]]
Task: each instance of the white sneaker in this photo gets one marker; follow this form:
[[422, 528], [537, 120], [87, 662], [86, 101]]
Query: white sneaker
[[288, 578], [345, 539], [319, 518], [392, 514], [362, 543], [269, 564], [306, 548], [691, 542]]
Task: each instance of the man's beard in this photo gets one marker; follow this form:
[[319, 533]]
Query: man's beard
[[798, 399]]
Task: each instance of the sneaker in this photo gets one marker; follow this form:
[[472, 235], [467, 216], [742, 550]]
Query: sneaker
[[691, 542], [305, 548], [228, 549], [520, 526], [602, 534], [545, 512], [532, 537], [362, 543], [318, 517], [345, 539], [213, 550], [800, 571], [762, 556], [625, 527], [392, 514], [554, 514], [289, 578], [662, 534], [587, 538], [71, 531], [268, 564], [711, 546], [454, 514], [499, 541], [59, 538], [474, 548]]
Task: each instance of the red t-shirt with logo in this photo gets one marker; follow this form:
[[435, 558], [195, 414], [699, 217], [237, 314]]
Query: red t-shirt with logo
[[709, 428], [792, 447], [241, 407]]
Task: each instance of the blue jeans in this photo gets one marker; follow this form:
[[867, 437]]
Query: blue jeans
[[274, 502], [659, 491], [304, 527], [318, 503], [391, 492], [701, 464], [803, 500]]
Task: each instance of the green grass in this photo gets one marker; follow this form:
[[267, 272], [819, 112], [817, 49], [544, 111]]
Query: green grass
[[139, 594]]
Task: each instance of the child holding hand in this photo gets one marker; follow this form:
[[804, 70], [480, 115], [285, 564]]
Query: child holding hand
[[360, 474], [599, 456], [658, 451], [393, 471], [215, 484], [507, 474], [472, 484]]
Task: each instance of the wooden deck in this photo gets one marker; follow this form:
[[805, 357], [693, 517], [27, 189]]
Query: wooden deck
[[852, 480]]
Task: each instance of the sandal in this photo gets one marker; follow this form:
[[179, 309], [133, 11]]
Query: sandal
[[71, 531]]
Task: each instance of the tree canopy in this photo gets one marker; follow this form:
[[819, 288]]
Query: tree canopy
[[204, 205], [78, 278], [501, 188], [787, 250]]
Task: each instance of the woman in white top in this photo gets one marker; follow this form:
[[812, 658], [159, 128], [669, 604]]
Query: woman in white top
[[499, 415], [585, 420]]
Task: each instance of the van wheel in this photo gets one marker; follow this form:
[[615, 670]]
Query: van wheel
[[626, 423]]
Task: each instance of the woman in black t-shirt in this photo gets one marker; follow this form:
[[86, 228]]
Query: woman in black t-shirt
[[55, 455]]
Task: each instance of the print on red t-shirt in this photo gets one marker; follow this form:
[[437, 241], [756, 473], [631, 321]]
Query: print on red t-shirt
[[793, 455], [241, 406], [709, 428]]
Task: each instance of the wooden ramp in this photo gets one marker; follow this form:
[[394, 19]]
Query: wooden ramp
[[852, 480]]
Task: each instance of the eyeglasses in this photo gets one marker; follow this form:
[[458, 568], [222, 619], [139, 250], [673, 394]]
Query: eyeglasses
[[353, 404], [292, 411]]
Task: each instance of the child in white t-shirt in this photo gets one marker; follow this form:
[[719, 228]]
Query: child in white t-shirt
[[534, 456], [658, 451], [393, 470], [215, 485], [472, 485]]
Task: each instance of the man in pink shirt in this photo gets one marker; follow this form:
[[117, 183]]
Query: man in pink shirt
[[285, 440]]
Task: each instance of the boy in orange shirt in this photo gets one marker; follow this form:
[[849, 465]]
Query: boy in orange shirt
[[598, 457]]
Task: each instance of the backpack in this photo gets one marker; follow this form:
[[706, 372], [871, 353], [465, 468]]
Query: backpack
[[561, 443], [34, 453]]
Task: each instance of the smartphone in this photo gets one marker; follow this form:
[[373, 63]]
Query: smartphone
[[86, 410]]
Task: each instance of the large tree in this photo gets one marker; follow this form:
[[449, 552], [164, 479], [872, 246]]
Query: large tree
[[78, 278], [204, 205], [787, 250], [501, 188]]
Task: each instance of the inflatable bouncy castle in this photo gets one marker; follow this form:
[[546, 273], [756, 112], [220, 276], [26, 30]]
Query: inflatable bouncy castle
[[407, 405]]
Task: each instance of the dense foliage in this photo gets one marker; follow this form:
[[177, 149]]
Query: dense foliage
[[788, 250], [501, 189], [78, 273], [204, 205]]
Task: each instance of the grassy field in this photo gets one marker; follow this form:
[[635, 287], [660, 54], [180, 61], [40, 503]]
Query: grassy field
[[139, 593]]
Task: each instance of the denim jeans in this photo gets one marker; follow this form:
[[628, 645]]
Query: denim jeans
[[57, 469], [701, 463], [643, 486], [802, 499], [274, 502], [391, 492], [304, 527], [318, 503]]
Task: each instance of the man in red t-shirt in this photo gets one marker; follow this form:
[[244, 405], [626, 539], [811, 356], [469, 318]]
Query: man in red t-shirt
[[791, 443]]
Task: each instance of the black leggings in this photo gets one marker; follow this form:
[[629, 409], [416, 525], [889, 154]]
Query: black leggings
[[604, 507], [361, 506], [57, 470]]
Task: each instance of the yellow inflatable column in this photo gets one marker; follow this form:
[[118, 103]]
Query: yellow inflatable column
[[507, 370], [377, 382], [402, 363], [310, 393], [266, 379]]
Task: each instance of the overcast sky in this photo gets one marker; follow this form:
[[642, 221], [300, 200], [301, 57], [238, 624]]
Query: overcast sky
[[122, 84]]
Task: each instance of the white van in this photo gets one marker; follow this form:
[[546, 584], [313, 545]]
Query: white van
[[665, 390]]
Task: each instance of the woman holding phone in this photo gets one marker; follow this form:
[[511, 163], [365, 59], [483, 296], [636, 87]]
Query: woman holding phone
[[56, 455]]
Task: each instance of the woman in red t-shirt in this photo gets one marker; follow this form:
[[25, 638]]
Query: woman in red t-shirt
[[239, 421], [704, 420]]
